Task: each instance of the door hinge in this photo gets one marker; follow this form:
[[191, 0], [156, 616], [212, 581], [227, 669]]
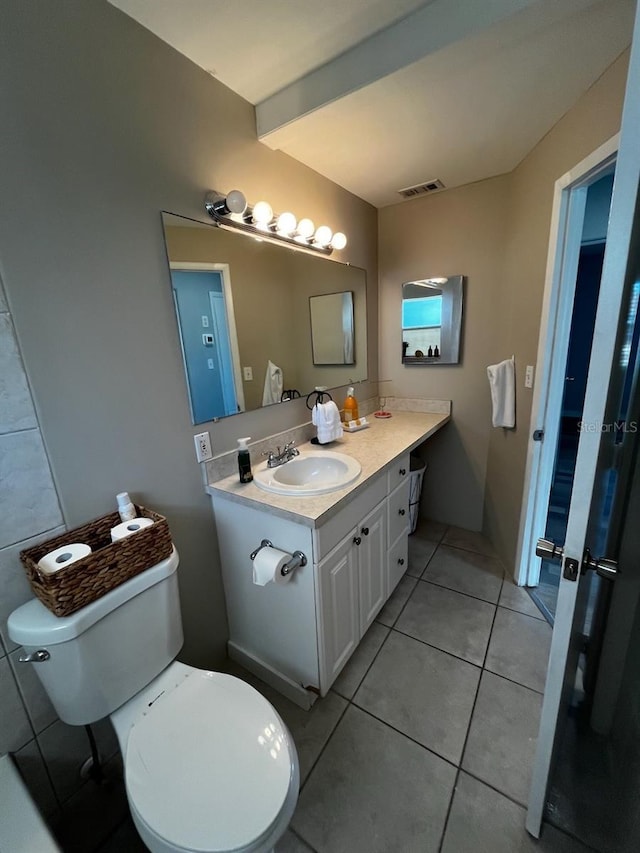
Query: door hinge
[[538, 434]]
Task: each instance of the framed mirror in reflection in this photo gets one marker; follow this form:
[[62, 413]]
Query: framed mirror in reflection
[[432, 320], [242, 308], [332, 329]]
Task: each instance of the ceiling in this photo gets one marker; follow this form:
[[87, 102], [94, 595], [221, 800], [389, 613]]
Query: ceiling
[[379, 95]]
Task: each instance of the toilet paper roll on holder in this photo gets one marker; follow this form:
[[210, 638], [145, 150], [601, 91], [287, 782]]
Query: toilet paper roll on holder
[[297, 560]]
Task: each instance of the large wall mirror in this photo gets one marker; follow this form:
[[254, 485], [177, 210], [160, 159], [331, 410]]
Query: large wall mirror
[[432, 320], [247, 329]]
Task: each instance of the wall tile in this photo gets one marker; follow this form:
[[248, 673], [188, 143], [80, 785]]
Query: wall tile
[[28, 500], [16, 406], [65, 748], [3, 300], [3, 650], [34, 772], [14, 586], [15, 730], [39, 708]]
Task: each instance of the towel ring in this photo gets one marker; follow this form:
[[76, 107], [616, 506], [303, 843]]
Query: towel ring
[[320, 398]]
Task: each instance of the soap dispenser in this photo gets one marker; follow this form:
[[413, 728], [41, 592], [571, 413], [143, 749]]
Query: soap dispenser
[[350, 407], [244, 460]]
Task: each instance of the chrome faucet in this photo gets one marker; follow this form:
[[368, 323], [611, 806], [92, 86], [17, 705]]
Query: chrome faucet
[[289, 452]]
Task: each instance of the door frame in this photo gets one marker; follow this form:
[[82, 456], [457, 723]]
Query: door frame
[[567, 220], [225, 271]]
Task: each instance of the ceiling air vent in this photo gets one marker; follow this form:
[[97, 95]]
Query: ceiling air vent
[[422, 189]]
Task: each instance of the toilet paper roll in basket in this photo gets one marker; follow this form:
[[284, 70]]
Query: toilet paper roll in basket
[[268, 564], [128, 528], [64, 556]]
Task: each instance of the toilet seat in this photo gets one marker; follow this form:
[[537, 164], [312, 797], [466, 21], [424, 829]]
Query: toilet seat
[[209, 766]]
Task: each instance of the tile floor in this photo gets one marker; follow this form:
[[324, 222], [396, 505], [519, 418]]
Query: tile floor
[[426, 740]]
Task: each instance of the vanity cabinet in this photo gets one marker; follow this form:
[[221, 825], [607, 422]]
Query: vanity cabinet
[[298, 636]]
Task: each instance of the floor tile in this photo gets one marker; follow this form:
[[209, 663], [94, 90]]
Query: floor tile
[[483, 821], [310, 730], [34, 772], [502, 737], [449, 620], [519, 648], [420, 552], [464, 571], [433, 531], [124, 840], [517, 598], [423, 692], [469, 540], [356, 668], [290, 843], [374, 791], [397, 601]]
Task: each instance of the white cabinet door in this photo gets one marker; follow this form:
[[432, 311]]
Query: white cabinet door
[[372, 565], [339, 624], [398, 561]]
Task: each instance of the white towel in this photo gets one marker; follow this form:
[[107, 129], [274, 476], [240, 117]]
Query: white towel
[[502, 380], [273, 384], [326, 419]]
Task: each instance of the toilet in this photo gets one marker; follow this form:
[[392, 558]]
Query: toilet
[[208, 763]]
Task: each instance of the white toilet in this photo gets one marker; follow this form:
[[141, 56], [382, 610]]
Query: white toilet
[[209, 764]]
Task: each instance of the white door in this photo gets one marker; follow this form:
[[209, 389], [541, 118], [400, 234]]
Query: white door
[[371, 544], [610, 349], [338, 583]]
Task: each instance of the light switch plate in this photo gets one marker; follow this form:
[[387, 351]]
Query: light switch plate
[[247, 372], [528, 376], [203, 446]]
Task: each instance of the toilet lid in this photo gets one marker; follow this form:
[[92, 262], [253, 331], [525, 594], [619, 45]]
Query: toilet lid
[[208, 766]]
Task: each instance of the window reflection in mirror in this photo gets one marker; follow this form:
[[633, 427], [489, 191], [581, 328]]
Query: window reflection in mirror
[[242, 304], [431, 320]]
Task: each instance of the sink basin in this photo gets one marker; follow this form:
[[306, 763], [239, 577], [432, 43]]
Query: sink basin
[[309, 474]]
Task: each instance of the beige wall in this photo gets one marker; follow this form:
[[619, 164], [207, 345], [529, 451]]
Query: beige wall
[[461, 231], [594, 119], [496, 234], [104, 126]]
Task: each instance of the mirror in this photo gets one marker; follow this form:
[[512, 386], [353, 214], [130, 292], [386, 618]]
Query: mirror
[[243, 308], [432, 320], [332, 328]]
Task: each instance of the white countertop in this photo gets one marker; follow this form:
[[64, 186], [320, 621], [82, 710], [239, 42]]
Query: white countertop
[[375, 448]]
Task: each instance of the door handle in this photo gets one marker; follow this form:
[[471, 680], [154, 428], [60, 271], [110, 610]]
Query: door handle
[[602, 566], [549, 550]]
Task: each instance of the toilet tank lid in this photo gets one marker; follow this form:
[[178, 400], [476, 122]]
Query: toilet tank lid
[[33, 625]]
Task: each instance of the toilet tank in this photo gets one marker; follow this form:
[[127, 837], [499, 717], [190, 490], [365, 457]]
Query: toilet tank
[[104, 653]]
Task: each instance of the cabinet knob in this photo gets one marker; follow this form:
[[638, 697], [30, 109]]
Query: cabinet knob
[[357, 540], [401, 511], [365, 531], [401, 561], [403, 471]]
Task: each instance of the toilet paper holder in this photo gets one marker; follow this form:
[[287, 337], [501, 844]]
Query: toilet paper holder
[[297, 561]]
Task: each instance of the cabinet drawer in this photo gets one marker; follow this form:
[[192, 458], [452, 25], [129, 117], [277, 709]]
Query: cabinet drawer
[[398, 512], [329, 534], [397, 472], [398, 561]]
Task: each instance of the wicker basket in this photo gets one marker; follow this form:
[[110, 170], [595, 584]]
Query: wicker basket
[[109, 564]]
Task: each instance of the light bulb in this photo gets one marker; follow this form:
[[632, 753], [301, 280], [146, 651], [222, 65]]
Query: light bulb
[[286, 223], [236, 202], [262, 214], [323, 235], [306, 229], [338, 241]]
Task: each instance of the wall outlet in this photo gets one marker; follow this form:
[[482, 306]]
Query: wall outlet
[[247, 372], [203, 447], [528, 376]]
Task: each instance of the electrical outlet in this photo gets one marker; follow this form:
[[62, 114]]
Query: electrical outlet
[[203, 447], [528, 376], [247, 373]]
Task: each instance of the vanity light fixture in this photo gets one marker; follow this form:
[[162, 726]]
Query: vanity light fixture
[[232, 211]]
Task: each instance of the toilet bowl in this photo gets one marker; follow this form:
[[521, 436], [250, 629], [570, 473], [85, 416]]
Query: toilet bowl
[[209, 765]]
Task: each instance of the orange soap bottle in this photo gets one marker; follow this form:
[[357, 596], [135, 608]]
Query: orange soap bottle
[[350, 407]]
